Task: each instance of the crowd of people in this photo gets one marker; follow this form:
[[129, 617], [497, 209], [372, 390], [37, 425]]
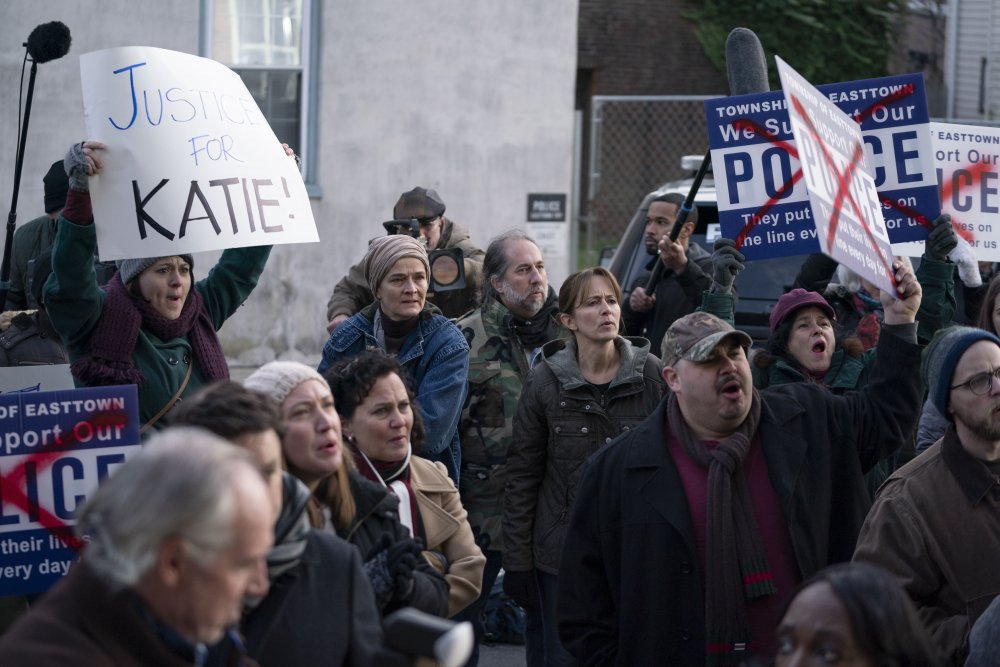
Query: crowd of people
[[651, 487]]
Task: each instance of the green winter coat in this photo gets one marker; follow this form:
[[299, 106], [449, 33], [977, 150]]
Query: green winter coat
[[74, 303]]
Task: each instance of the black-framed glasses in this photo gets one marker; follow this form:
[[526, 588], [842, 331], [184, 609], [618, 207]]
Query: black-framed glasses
[[980, 384]]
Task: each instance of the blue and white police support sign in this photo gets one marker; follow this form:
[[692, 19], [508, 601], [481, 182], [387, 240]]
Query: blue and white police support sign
[[842, 196], [967, 158], [55, 448], [759, 194]]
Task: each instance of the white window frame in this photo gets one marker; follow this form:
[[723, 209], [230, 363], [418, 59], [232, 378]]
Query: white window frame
[[308, 126]]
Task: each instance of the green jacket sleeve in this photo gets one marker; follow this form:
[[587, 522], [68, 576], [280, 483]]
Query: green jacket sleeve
[[937, 306], [231, 280], [718, 304], [72, 298]]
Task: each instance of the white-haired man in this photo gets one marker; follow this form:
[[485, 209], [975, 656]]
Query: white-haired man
[[177, 537]]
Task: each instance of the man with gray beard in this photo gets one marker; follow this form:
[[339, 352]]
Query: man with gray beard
[[516, 318], [935, 523]]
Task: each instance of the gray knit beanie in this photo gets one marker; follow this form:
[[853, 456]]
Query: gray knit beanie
[[131, 268], [278, 379], [385, 251], [941, 357]]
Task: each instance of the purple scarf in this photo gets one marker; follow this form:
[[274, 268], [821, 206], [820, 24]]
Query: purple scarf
[[123, 315]]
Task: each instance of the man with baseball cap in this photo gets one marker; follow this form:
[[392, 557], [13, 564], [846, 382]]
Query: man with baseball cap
[[691, 529], [437, 232], [935, 524]]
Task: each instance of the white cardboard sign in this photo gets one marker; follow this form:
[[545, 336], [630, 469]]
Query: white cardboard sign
[[191, 164], [845, 205]]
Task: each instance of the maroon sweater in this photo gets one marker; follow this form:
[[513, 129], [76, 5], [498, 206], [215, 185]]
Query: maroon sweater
[[763, 614]]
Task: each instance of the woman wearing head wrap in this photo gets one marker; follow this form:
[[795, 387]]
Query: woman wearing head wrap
[[361, 512], [431, 350], [151, 325]]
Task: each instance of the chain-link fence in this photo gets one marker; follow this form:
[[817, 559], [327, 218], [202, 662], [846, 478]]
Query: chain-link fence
[[636, 144]]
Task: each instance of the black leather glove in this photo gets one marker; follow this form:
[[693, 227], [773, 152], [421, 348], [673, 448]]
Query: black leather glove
[[522, 587], [727, 261], [401, 559], [942, 239], [76, 166]]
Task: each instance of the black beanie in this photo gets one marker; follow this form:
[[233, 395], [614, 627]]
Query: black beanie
[[56, 187]]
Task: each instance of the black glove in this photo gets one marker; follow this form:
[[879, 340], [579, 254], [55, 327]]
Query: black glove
[[76, 166], [942, 239], [402, 558], [727, 261], [522, 587], [383, 585]]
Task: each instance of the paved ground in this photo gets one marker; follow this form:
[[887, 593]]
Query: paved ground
[[501, 655]]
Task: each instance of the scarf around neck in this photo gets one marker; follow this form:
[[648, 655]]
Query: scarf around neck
[[112, 344], [536, 331], [736, 567], [292, 528], [394, 476]]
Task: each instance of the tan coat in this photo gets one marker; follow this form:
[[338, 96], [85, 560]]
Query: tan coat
[[447, 531]]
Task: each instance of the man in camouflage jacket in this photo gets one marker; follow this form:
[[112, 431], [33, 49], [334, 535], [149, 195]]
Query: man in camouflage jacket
[[517, 316]]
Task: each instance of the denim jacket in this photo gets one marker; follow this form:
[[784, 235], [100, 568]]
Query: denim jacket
[[436, 356]]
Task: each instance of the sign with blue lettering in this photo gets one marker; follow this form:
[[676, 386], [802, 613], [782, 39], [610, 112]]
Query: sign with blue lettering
[[55, 448], [967, 157], [842, 195], [761, 198], [191, 164]]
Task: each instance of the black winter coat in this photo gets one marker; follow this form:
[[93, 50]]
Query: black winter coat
[[630, 589], [377, 515], [343, 628]]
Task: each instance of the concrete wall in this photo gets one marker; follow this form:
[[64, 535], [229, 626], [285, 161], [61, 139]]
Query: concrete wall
[[472, 99]]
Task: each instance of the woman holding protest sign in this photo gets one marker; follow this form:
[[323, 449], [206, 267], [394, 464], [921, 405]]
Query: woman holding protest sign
[[151, 325], [805, 344]]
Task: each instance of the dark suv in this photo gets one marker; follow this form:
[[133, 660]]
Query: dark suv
[[758, 286]]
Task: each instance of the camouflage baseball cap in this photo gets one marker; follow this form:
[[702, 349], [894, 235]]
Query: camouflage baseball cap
[[695, 336]]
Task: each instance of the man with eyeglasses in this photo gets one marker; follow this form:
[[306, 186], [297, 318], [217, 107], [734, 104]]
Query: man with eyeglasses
[[686, 273], [935, 523], [437, 232]]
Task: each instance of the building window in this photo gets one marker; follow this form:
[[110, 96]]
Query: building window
[[269, 43]]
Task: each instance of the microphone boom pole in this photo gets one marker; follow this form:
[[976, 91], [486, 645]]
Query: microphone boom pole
[[12, 216], [49, 41]]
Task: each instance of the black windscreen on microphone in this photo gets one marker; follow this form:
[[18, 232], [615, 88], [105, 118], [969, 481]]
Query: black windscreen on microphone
[[49, 41], [746, 63]]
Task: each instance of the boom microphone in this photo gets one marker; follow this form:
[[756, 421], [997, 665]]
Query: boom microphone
[[49, 41], [746, 63], [747, 70]]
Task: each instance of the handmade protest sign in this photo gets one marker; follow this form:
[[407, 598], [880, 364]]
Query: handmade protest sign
[[762, 201], [842, 196], [48, 377], [55, 448], [966, 158], [191, 164]]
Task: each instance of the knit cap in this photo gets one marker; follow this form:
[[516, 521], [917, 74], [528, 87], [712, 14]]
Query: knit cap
[[794, 300], [131, 268], [419, 203], [56, 184], [385, 251], [278, 379], [941, 357]]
